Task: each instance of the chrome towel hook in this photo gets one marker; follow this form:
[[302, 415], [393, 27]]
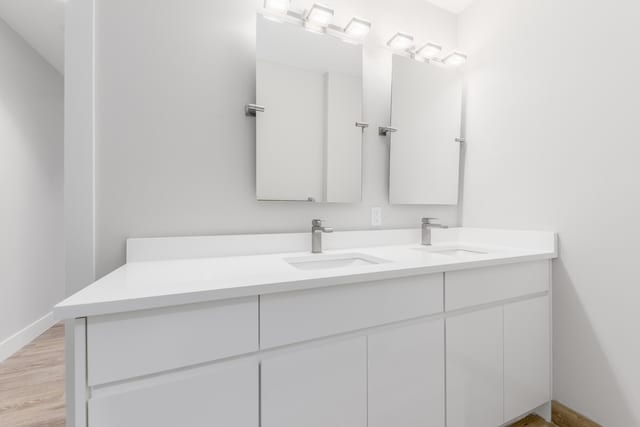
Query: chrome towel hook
[[252, 109]]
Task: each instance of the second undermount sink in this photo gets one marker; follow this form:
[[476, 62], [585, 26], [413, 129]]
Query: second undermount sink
[[453, 251], [323, 262]]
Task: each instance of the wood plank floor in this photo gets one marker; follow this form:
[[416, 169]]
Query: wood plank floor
[[532, 421], [564, 416], [32, 385]]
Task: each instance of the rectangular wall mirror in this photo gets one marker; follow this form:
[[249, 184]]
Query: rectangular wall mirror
[[426, 110], [308, 146]]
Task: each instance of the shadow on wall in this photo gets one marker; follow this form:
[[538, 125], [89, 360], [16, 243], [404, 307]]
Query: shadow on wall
[[571, 322], [31, 189]]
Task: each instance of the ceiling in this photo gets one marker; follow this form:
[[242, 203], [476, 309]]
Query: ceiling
[[41, 24], [455, 6]]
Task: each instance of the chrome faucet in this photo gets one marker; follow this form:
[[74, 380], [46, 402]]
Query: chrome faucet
[[316, 235], [427, 225]]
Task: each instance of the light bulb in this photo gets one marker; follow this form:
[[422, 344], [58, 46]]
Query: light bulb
[[429, 50], [455, 59], [358, 28], [320, 15], [400, 41], [278, 5]]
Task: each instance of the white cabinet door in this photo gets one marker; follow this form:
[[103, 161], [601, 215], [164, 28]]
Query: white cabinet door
[[474, 369], [527, 363], [221, 395], [406, 376], [316, 386]]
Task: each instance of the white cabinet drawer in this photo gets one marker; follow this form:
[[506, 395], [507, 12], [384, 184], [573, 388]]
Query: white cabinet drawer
[[304, 315], [467, 288], [133, 344]]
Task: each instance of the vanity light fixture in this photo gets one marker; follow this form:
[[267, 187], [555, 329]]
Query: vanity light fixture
[[454, 59], [319, 15], [317, 19], [281, 6], [429, 50], [400, 41], [357, 28]]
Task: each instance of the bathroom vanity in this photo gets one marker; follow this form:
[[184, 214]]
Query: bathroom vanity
[[254, 330]]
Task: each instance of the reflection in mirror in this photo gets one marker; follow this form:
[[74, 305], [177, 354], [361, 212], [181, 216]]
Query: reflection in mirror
[[426, 108], [308, 146]]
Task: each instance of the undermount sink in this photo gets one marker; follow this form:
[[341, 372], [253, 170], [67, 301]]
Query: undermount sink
[[452, 251], [323, 262]]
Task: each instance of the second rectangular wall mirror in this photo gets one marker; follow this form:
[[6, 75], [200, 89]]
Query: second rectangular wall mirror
[[426, 110], [308, 144]]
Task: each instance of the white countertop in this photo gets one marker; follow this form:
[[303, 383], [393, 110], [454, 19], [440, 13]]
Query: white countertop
[[140, 285]]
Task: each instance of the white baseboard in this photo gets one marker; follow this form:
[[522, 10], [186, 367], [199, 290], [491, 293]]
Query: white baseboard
[[14, 343]]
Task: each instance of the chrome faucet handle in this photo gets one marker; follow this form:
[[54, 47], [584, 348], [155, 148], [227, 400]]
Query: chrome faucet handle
[[317, 225], [427, 220]]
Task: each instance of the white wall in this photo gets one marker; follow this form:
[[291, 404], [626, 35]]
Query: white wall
[[31, 187], [79, 129], [41, 24], [175, 154], [553, 143]]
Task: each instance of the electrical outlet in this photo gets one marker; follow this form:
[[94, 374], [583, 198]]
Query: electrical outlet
[[376, 216]]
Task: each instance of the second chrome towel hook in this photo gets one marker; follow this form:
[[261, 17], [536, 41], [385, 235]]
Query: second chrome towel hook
[[386, 130]]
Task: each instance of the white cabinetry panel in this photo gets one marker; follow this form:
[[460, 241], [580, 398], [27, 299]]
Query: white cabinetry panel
[[406, 376], [389, 371], [128, 345], [304, 315], [317, 386], [526, 356], [223, 395], [474, 369]]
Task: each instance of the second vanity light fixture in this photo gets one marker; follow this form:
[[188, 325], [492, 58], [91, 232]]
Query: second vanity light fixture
[[404, 43], [319, 19]]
